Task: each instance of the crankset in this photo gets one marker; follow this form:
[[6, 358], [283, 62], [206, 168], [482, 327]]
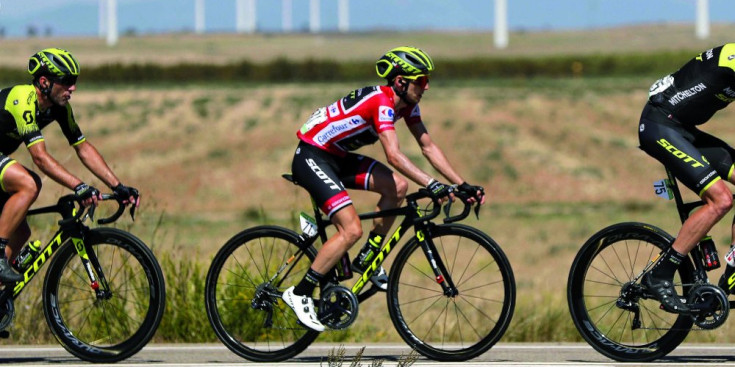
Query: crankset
[[338, 307], [709, 306]]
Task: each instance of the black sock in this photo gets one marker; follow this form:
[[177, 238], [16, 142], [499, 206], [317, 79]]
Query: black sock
[[308, 283], [666, 266]]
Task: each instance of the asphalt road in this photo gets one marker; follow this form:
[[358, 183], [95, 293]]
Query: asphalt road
[[522, 354]]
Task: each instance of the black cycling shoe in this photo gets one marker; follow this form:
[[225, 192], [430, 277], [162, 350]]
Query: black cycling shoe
[[665, 293], [7, 275]]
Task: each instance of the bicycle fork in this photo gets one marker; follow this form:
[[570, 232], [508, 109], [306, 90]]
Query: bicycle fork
[[92, 265], [441, 275]]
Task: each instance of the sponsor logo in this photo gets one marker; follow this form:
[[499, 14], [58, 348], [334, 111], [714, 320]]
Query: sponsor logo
[[15, 102], [731, 57], [688, 93], [322, 176], [336, 128], [642, 127], [679, 154], [710, 54], [707, 177], [416, 111], [333, 109], [385, 113]]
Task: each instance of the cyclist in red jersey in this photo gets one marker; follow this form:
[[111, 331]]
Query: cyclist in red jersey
[[325, 165]]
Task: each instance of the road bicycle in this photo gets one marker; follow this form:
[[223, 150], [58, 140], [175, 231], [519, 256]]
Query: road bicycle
[[103, 293], [615, 313], [451, 290]]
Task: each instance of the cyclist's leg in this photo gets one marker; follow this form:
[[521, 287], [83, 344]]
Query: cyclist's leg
[[374, 176], [316, 171], [21, 189], [673, 145]]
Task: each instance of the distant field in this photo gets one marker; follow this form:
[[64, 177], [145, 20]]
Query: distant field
[[225, 48]]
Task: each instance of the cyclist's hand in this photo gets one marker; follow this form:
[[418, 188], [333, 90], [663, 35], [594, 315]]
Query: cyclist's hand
[[86, 194], [128, 194], [476, 193], [440, 190]]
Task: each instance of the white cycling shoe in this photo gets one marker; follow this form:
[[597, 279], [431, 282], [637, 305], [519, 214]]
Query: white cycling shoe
[[303, 306]]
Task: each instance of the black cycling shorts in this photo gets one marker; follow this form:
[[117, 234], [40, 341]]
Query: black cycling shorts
[[696, 158], [326, 176]]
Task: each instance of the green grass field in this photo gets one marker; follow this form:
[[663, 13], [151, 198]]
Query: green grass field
[[558, 158]]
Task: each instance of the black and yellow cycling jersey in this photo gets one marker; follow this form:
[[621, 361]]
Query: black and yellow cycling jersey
[[677, 104], [703, 86], [21, 119]]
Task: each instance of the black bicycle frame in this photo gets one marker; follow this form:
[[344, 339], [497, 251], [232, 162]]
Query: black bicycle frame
[[70, 230], [412, 218]]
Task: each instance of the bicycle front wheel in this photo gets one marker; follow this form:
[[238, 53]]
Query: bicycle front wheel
[[452, 328], [243, 289], [113, 325], [609, 309]]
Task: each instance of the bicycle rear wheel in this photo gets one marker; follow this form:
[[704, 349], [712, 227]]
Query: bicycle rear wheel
[[243, 289], [603, 300], [456, 328], [111, 327]]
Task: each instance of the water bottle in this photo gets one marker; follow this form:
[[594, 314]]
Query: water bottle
[[709, 253], [27, 255], [343, 268], [727, 281]]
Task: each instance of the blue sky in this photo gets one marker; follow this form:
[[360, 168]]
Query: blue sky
[[79, 17]]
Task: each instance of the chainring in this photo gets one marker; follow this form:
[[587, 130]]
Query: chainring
[[338, 307], [711, 304]]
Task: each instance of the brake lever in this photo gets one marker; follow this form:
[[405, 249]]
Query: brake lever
[[477, 210], [132, 212]]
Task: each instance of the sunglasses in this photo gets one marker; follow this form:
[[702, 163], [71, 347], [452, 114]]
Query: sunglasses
[[421, 80], [67, 80]]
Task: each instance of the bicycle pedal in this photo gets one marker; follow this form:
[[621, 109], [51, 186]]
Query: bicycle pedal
[[4, 334]]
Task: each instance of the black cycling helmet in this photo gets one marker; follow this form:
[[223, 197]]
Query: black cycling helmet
[[407, 61]]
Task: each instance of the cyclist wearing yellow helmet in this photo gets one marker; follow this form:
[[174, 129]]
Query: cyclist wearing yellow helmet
[[26, 109], [325, 165]]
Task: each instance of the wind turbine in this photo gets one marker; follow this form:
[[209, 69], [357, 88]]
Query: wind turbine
[[245, 16], [702, 23], [343, 16], [314, 16], [111, 22], [501, 24], [199, 16], [287, 15]]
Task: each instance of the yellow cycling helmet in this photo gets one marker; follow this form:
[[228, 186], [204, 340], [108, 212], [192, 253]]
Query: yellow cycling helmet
[[408, 61], [54, 63]]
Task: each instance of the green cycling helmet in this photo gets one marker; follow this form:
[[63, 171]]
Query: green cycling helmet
[[409, 62], [54, 63]]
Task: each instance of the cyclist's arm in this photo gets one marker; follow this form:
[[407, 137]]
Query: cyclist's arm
[[51, 167], [399, 161], [434, 154], [93, 160]]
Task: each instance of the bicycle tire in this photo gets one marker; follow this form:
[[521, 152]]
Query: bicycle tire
[[457, 328], [105, 330], [242, 267], [608, 261]]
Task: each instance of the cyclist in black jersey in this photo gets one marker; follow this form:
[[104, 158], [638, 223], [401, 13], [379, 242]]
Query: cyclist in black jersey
[[26, 109], [668, 131], [325, 165]]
